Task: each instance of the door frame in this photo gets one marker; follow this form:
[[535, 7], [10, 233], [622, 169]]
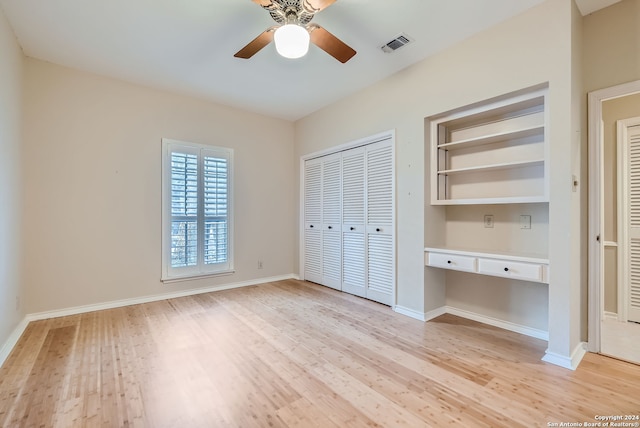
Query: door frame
[[596, 203]]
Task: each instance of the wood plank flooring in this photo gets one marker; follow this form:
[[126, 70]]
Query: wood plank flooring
[[295, 354]]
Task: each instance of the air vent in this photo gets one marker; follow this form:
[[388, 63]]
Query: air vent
[[399, 41]]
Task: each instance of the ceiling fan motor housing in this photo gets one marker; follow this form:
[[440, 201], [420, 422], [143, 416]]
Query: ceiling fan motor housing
[[291, 11]]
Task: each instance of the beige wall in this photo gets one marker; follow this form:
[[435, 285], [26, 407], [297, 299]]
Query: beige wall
[[92, 149], [612, 111], [527, 50], [10, 180], [611, 49]]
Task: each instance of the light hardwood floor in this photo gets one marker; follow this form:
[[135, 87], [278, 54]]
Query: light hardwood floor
[[295, 354]]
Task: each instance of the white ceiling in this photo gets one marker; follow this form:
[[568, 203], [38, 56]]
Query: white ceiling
[[187, 46]]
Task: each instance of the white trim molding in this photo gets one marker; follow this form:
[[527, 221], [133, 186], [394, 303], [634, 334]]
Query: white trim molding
[[570, 363], [506, 325], [421, 316], [11, 342], [153, 298]]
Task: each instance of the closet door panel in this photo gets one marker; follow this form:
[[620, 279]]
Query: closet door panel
[[331, 221], [380, 220], [313, 193], [331, 260], [379, 185], [313, 220], [354, 279], [380, 268], [313, 255]]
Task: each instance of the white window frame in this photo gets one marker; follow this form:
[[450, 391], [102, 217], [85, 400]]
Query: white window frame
[[172, 274]]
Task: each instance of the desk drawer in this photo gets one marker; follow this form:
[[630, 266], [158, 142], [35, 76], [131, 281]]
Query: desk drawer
[[452, 261], [510, 269]]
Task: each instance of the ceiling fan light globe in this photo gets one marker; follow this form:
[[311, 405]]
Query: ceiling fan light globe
[[292, 41]]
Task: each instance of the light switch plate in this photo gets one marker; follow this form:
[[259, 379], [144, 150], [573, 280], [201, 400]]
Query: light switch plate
[[488, 220]]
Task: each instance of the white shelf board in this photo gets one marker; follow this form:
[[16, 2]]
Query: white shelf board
[[494, 138], [490, 201], [492, 167]]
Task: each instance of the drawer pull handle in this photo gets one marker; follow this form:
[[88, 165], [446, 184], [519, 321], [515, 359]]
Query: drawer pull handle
[[352, 228], [330, 227], [378, 229], [311, 226], [449, 261], [506, 269]]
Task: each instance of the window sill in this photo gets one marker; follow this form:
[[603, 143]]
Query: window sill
[[196, 276]]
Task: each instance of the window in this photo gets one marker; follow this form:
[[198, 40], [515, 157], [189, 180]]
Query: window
[[196, 210]]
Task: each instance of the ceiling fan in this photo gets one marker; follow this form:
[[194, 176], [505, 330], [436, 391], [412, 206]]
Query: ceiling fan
[[294, 31]]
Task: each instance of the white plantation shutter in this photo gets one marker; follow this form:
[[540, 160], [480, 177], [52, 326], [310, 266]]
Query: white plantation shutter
[[184, 209], [216, 197], [196, 210]]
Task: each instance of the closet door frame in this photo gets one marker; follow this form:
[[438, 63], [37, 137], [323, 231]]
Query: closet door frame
[[387, 135]]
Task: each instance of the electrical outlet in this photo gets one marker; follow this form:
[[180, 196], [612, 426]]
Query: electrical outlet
[[259, 264], [488, 220], [525, 222]]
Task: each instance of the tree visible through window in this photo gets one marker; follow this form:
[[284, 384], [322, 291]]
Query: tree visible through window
[[196, 202]]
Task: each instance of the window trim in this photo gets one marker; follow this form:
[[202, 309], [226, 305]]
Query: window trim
[[169, 274]]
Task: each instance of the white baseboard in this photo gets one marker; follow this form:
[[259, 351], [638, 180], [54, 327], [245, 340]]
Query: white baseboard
[[571, 362], [153, 298], [506, 325], [518, 328], [12, 340], [421, 316]]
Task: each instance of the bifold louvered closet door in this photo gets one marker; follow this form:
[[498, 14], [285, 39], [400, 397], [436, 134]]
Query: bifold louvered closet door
[[349, 221], [633, 226]]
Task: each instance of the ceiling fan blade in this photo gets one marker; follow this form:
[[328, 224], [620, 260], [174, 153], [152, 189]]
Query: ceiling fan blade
[[263, 3], [313, 6], [330, 43], [256, 44], [267, 4]]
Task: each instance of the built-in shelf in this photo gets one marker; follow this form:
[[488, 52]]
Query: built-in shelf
[[494, 138], [493, 152], [493, 167], [524, 267]]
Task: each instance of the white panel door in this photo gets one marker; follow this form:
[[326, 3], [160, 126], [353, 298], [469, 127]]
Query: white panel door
[[331, 221], [353, 222], [380, 222], [313, 220]]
